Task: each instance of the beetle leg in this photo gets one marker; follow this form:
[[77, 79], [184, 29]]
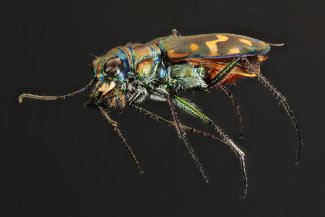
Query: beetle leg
[[118, 131], [283, 102], [237, 107], [182, 135], [224, 72], [170, 123], [175, 32], [195, 111]]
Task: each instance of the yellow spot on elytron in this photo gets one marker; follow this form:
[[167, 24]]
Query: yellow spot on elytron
[[212, 45], [245, 41], [234, 51], [194, 47], [173, 54]]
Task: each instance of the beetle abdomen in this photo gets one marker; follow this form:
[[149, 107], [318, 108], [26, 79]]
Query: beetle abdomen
[[218, 45]]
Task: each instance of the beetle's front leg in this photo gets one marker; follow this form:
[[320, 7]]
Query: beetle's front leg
[[138, 94], [123, 140]]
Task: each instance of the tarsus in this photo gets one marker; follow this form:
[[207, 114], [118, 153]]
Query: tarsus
[[284, 103]]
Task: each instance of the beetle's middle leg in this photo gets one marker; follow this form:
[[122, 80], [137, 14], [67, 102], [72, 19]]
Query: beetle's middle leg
[[237, 107], [182, 135], [172, 124]]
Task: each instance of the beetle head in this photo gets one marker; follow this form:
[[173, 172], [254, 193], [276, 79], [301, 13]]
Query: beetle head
[[111, 76]]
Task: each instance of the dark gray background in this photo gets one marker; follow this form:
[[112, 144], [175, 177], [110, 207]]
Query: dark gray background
[[60, 159]]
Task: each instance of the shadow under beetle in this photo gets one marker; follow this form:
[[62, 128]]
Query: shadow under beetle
[[161, 69]]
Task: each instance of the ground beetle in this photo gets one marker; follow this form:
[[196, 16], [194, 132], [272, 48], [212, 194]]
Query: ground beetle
[[163, 68]]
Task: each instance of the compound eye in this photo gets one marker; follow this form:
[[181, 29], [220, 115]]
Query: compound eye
[[112, 66], [117, 72]]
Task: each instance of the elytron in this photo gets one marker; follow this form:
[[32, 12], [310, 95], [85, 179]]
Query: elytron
[[165, 67]]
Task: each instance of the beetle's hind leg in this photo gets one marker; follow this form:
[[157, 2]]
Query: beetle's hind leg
[[240, 154], [118, 131], [175, 32], [283, 102], [192, 109], [224, 72]]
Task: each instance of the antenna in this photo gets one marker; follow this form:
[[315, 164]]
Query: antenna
[[38, 97]]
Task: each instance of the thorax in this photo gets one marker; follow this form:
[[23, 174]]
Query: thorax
[[143, 59]]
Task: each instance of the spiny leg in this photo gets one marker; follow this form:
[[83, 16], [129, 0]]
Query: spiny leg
[[236, 105], [195, 111], [215, 82], [38, 97], [172, 124], [283, 102], [182, 135], [118, 131], [224, 72], [237, 150]]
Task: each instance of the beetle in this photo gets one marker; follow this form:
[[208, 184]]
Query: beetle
[[163, 68]]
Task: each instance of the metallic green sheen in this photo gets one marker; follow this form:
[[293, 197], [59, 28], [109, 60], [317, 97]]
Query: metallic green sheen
[[181, 44]]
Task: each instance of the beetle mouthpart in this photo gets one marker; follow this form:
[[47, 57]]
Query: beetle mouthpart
[[105, 88]]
